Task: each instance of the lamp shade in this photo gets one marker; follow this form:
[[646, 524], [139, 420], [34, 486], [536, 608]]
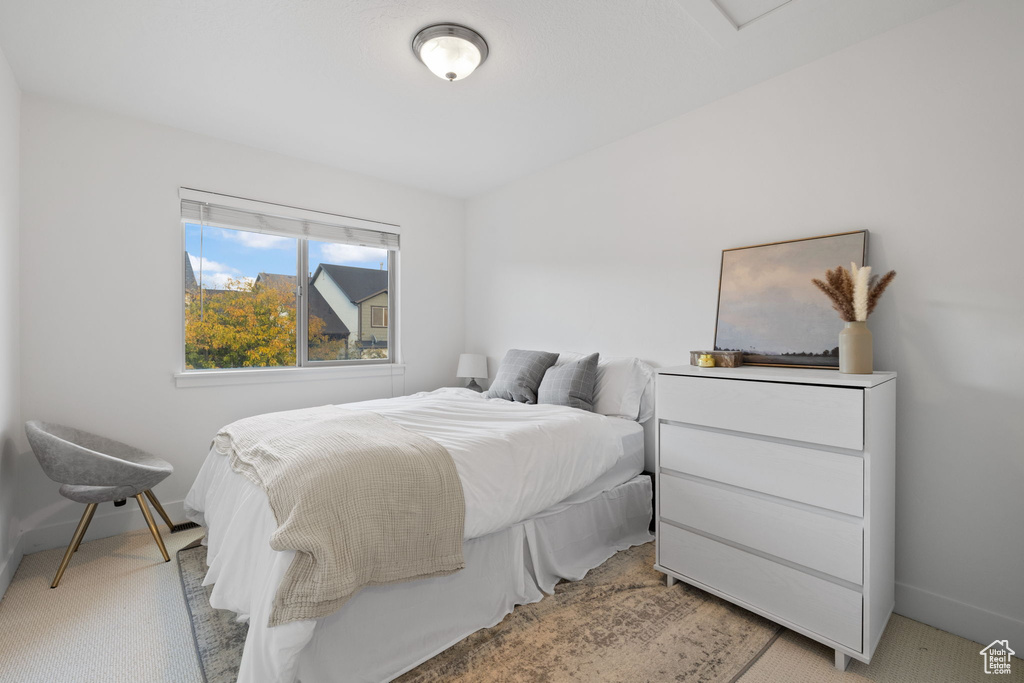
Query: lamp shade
[[450, 51], [472, 365]]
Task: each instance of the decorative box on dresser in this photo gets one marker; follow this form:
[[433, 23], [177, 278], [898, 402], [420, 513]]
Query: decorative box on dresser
[[776, 491]]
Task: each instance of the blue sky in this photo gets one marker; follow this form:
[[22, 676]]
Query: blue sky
[[239, 254]]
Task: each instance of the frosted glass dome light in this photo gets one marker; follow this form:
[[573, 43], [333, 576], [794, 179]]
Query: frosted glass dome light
[[450, 51]]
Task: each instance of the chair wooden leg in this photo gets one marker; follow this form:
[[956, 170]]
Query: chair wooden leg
[[89, 510], [159, 508], [83, 524], [152, 526]]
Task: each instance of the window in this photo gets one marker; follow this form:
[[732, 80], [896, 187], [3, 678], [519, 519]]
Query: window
[[268, 286], [346, 283]]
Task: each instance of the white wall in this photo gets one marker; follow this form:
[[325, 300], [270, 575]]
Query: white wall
[[11, 438], [917, 135], [101, 286]]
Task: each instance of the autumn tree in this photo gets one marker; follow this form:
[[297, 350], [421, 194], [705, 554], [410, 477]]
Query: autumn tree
[[329, 348], [247, 324]]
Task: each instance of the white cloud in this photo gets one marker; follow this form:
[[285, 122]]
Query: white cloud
[[215, 275], [350, 253], [223, 280], [255, 240], [208, 266]]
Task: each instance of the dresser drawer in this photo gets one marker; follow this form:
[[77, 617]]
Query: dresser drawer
[[819, 478], [782, 592], [832, 416], [829, 545]]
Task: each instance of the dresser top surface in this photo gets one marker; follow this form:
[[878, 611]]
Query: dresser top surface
[[788, 375]]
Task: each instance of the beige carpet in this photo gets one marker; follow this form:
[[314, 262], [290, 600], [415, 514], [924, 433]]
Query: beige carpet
[[123, 618], [909, 652], [118, 615]]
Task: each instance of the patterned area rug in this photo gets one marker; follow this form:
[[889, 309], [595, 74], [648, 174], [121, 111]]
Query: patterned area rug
[[219, 638], [620, 623]]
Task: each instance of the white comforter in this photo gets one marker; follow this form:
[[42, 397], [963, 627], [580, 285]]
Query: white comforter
[[513, 460]]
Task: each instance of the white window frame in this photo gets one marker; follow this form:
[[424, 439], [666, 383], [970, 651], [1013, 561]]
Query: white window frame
[[304, 368]]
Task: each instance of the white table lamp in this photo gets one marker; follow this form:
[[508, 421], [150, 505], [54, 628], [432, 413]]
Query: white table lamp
[[472, 366]]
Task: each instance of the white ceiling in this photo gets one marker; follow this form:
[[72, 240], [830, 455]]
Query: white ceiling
[[335, 81]]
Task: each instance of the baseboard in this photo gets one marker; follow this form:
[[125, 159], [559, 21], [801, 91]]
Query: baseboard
[[10, 564], [108, 521], [959, 618]]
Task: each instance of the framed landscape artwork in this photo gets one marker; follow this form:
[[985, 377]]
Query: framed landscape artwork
[[769, 309]]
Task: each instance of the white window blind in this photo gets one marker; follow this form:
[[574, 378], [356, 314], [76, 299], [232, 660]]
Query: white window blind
[[273, 219]]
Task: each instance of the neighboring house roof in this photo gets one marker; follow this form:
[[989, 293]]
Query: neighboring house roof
[[190, 275], [370, 296], [359, 284], [277, 281], [318, 306]]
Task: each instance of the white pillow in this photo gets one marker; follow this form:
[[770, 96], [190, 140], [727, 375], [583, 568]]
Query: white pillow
[[622, 383]]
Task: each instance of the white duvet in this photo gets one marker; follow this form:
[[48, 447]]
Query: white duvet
[[514, 461]]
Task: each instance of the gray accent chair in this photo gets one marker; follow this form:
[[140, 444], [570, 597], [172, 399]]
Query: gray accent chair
[[94, 470]]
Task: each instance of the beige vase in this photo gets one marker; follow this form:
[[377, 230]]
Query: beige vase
[[856, 349]]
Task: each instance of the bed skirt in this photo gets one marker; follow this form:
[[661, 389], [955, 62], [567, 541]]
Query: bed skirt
[[384, 631]]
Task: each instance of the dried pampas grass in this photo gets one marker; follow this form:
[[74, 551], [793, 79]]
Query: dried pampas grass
[[854, 293], [861, 278], [878, 285]]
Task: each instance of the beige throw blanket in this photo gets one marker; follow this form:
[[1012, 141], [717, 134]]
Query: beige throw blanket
[[362, 501]]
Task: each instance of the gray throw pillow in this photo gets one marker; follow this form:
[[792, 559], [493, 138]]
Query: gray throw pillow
[[570, 384], [519, 375]]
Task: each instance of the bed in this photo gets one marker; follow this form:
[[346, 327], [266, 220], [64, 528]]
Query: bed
[[550, 493]]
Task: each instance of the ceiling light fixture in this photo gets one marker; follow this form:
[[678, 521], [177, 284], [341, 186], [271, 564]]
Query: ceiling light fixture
[[449, 50]]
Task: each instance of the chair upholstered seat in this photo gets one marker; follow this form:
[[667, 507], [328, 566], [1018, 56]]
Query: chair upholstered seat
[[73, 456], [98, 494], [92, 470]]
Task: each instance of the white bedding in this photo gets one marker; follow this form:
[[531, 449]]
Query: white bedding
[[514, 461]]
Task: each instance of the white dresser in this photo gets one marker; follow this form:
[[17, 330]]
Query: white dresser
[[776, 491]]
